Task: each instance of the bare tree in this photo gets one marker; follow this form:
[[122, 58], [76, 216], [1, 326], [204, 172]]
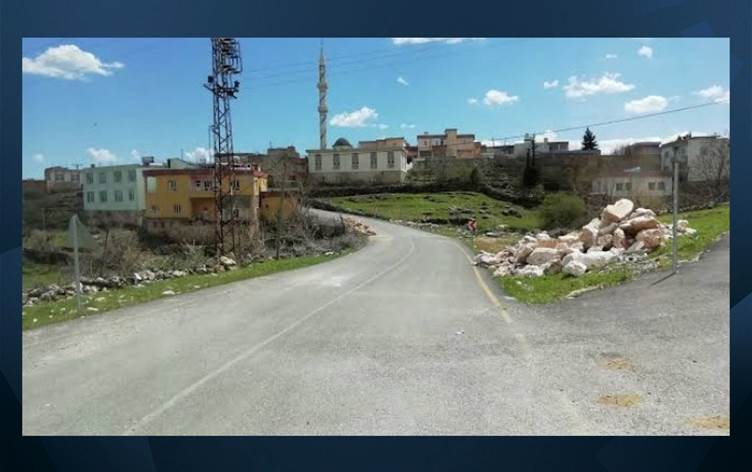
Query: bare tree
[[712, 170]]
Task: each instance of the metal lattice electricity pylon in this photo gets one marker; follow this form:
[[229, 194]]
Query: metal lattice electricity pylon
[[226, 63]]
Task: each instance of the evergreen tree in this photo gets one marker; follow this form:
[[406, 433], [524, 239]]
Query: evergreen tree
[[588, 141]]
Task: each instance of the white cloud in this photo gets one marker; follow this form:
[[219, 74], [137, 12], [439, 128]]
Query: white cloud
[[101, 156], [649, 104], [136, 155], [715, 93], [548, 134], [608, 83], [611, 56], [645, 51], [402, 81], [409, 41], [200, 154], [552, 84], [499, 98], [472, 101], [381, 126], [68, 62], [355, 119], [38, 157], [407, 126]]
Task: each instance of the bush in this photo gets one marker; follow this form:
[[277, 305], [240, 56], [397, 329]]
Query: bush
[[561, 210]]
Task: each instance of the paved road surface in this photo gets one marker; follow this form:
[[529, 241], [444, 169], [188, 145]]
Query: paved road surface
[[403, 337]]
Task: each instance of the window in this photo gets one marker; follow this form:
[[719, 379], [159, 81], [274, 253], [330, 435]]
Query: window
[[390, 159], [628, 186], [102, 178], [75, 177], [335, 161], [58, 177], [89, 178], [236, 185], [207, 185], [355, 161], [118, 176], [118, 195], [154, 210], [317, 162], [176, 208], [89, 197], [661, 185], [651, 185], [132, 175], [619, 187], [374, 161], [197, 184], [131, 194], [103, 196], [172, 185], [151, 184]]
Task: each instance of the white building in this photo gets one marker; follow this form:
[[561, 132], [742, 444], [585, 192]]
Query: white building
[[114, 192], [700, 157], [382, 161]]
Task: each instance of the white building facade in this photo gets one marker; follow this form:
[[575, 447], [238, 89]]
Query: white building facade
[[373, 162], [114, 192], [700, 157]]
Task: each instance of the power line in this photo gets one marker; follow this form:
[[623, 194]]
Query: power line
[[611, 122]]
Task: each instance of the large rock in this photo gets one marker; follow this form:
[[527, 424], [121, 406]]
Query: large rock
[[574, 268], [607, 228], [618, 211], [593, 259], [504, 270], [604, 241], [521, 253], [543, 255], [650, 238], [589, 233], [635, 225], [531, 271], [486, 259], [226, 261], [619, 239], [548, 243], [569, 238], [642, 212]]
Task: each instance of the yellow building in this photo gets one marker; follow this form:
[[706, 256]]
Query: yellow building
[[272, 200], [186, 195]]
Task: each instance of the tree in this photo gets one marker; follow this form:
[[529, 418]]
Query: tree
[[588, 141], [712, 170]]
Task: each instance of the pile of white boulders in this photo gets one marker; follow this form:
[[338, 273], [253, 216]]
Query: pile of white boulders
[[621, 233], [358, 227]]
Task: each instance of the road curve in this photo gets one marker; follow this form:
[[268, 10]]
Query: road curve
[[404, 336]]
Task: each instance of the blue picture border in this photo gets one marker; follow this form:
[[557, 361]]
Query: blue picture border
[[386, 18]]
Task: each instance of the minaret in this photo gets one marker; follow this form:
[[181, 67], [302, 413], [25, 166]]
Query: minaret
[[322, 99]]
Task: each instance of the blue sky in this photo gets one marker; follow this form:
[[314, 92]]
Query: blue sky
[[104, 100]]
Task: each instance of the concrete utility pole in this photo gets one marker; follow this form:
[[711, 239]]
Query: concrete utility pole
[[322, 86], [675, 190]]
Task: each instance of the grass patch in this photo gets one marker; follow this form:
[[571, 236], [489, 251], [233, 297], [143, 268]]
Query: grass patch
[[37, 275], [421, 206], [62, 310], [710, 225], [550, 288]]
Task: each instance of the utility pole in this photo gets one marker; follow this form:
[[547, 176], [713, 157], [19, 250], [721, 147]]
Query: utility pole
[[226, 63], [675, 191]]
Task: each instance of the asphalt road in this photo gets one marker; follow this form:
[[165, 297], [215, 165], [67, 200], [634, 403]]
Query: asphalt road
[[402, 337]]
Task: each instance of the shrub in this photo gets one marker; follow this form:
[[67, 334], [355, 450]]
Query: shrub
[[562, 210]]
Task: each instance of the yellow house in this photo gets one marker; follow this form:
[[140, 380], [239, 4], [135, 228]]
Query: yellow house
[[272, 200], [185, 195]]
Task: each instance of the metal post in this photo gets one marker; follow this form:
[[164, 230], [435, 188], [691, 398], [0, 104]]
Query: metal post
[[74, 220], [675, 165]]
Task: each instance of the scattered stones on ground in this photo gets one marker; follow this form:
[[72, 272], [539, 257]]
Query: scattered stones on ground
[[621, 235]]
